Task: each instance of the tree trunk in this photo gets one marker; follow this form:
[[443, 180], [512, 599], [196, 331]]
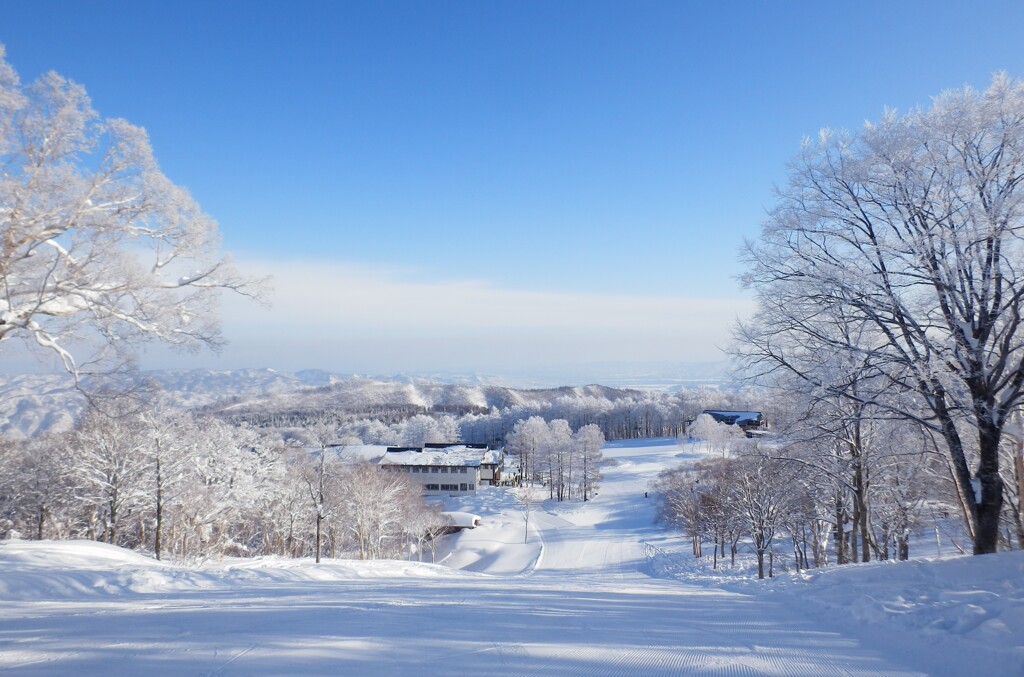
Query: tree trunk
[[111, 530], [865, 535], [988, 509], [319, 520], [854, 522], [41, 523], [159, 507], [983, 507], [860, 511], [1018, 471], [840, 531]]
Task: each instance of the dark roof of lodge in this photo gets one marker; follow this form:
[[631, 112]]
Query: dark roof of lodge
[[445, 445], [399, 449], [738, 417]]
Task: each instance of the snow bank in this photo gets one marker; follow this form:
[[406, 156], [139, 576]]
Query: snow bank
[[496, 546], [967, 611], [84, 569], [67, 570], [972, 606]]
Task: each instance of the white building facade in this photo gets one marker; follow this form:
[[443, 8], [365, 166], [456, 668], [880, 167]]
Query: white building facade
[[448, 471]]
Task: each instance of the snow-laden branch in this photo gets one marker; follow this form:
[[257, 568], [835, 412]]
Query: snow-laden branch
[[96, 240]]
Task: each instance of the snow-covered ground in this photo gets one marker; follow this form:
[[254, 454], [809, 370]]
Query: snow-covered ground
[[581, 597]]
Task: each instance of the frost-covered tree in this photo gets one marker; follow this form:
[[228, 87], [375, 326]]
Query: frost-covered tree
[[720, 437], [681, 505], [698, 501], [419, 430], [447, 430], [35, 487], [1012, 469], [749, 493], [287, 514], [374, 508], [425, 525], [911, 232], [100, 248], [587, 444], [525, 441], [10, 486], [762, 490], [319, 472], [226, 478], [551, 452], [376, 432], [557, 459], [169, 442], [526, 501], [259, 489], [110, 467]]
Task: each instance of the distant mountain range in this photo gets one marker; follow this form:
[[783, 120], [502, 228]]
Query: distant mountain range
[[34, 403], [657, 376]]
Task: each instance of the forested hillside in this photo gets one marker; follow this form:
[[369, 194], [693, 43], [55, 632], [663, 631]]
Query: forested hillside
[[371, 410]]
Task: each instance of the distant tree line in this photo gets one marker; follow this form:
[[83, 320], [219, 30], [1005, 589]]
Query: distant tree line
[[630, 415]]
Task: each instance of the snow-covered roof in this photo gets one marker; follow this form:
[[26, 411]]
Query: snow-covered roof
[[735, 417], [361, 452], [351, 453], [463, 520], [450, 456]]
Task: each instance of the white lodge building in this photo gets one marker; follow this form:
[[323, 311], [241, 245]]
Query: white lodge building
[[454, 469]]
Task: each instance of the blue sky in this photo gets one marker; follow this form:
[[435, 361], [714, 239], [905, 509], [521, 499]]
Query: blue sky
[[478, 186]]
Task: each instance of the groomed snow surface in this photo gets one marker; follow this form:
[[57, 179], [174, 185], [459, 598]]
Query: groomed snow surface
[[589, 594]]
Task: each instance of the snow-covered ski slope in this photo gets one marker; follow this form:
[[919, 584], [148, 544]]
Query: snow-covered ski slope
[[579, 598]]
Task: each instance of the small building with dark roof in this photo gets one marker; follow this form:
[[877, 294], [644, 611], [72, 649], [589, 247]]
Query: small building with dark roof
[[749, 421]]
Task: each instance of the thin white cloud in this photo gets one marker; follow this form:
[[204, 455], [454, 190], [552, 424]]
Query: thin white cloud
[[354, 317], [350, 297]]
